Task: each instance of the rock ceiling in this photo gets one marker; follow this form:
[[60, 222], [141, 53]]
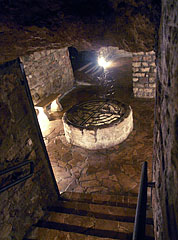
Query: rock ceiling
[[29, 26]]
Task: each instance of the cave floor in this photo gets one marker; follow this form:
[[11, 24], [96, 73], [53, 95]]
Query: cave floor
[[115, 170]]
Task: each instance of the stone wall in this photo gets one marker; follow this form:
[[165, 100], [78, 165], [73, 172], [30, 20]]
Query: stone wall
[[21, 205], [165, 164], [144, 74], [48, 72], [112, 53]]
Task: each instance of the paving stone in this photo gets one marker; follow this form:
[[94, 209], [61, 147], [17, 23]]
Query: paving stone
[[126, 182], [102, 174], [73, 162], [87, 177], [91, 183], [97, 189], [113, 178], [78, 156], [66, 157], [64, 184], [79, 189], [62, 174], [61, 163], [64, 141], [128, 170]]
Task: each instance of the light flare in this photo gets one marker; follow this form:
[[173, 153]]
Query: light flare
[[54, 106], [103, 63], [42, 119]]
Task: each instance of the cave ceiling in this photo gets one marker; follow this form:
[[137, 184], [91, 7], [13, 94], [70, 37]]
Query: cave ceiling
[[27, 26]]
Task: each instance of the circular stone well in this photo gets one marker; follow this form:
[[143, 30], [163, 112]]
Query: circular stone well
[[98, 124]]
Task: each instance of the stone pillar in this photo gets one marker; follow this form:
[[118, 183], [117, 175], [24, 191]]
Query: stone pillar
[[144, 71]]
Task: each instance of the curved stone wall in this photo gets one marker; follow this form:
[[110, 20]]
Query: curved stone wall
[[99, 137]]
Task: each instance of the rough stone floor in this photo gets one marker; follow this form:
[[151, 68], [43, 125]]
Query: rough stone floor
[[114, 170]]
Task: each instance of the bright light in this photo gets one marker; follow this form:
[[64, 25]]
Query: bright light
[[54, 106], [103, 63], [42, 119]]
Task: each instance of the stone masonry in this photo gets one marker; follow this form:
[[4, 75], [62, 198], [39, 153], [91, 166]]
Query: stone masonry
[[48, 72], [22, 204], [165, 162], [144, 74]]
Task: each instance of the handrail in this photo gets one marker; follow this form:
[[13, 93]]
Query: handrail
[[140, 218], [7, 170]]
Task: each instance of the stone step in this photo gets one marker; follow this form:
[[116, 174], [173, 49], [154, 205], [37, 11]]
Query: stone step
[[52, 234], [85, 225], [92, 69], [98, 71], [99, 211], [90, 216], [95, 198], [85, 66]]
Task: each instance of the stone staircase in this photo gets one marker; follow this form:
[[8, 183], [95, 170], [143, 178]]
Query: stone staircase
[[80, 216], [88, 74], [91, 68]]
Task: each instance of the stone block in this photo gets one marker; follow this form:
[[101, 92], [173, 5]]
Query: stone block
[[140, 53], [152, 85], [145, 64], [48, 52], [135, 69], [147, 58], [36, 56], [140, 85], [135, 90], [43, 53], [90, 183], [145, 69], [140, 90], [152, 53], [148, 90], [135, 79], [152, 64], [137, 58], [138, 74], [136, 64]]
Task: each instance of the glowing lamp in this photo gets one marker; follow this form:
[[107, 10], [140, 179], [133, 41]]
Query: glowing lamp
[[103, 63]]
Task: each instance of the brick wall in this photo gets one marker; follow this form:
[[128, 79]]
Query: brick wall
[[144, 74], [47, 72]]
